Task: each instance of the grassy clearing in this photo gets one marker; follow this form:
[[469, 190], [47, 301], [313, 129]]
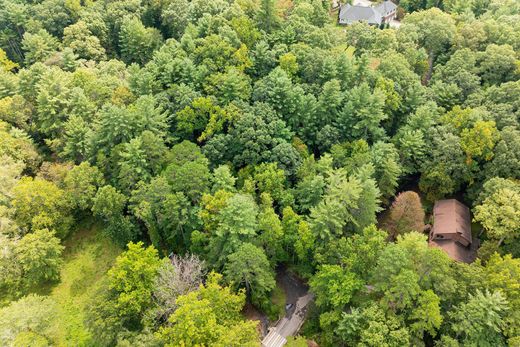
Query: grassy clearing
[[88, 256]]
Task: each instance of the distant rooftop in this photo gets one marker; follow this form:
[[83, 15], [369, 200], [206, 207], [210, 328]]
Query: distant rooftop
[[375, 15], [350, 14], [385, 7]]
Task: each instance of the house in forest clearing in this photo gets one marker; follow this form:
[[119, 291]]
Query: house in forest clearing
[[381, 13], [451, 230]]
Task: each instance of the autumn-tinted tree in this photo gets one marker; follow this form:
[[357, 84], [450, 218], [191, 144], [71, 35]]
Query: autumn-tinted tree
[[406, 214]]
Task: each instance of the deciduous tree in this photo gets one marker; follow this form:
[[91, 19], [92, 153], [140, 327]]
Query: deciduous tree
[[500, 215], [249, 267], [33, 314], [209, 316], [82, 182], [39, 256], [480, 320], [40, 204], [406, 214], [132, 278]]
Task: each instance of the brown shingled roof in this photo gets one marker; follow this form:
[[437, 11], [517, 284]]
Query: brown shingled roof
[[452, 230], [451, 217], [455, 250]]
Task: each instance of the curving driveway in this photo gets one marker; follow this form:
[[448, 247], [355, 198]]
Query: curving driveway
[[288, 326]]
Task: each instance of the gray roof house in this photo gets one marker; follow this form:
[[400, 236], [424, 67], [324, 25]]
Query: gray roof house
[[383, 12]]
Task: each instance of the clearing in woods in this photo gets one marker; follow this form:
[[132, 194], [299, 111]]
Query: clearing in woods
[[87, 257]]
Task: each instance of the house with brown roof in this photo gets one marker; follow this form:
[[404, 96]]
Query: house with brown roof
[[451, 230]]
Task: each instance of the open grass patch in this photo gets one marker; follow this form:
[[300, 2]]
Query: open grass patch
[[87, 257]]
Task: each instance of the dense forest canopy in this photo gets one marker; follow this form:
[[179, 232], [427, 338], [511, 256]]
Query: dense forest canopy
[[162, 160]]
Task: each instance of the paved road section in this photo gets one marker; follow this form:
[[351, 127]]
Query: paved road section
[[288, 326]]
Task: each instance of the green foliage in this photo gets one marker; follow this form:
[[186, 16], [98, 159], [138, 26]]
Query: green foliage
[[81, 183], [272, 180], [499, 213], [237, 223], [201, 119], [115, 124], [109, 205], [363, 113], [168, 216], [209, 316], [359, 253], [223, 179], [175, 16], [498, 64], [249, 267], [260, 136], [6, 64], [188, 172], [136, 42], [39, 46], [373, 327], [38, 255], [435, 29], [426, 317], [480, 319], [30, 315], [40, 204], [348, 203], [267, 17], [79, 37], [271, 230], [135, 162], [385, 159], [132, 277], [17, 145], [501, 274], [447, 170], [229, 86], [505, 160], [334, 286], [480, 140]]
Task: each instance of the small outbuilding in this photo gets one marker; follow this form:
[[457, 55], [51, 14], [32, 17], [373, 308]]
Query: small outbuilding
[[451, 230]]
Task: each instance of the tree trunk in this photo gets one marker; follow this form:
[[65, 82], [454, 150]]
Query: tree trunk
[[501, 240], [428, 75]]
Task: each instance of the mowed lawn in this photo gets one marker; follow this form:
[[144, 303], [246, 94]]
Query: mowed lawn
[[87, 257]]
